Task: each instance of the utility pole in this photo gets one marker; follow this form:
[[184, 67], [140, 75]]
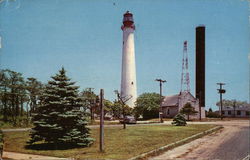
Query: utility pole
[[121, 99], [101, 121], [160, 110], [221, 91]]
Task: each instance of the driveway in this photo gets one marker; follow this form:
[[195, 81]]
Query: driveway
[[230, 143]]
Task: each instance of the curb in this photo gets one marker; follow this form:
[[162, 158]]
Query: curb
[[175, 144]]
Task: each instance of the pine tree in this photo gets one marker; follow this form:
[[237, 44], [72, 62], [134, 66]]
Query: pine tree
[[179, 120], [188, 110], [58, 118]]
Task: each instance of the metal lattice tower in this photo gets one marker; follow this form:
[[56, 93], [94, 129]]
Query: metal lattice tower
[[185, 74]]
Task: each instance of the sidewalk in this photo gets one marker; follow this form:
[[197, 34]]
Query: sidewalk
[[21, 156]]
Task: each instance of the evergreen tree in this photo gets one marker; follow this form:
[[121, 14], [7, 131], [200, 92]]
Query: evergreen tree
[[179, 120], [188, 110], [58, 118]]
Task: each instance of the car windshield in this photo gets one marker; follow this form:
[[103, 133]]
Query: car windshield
[[129, 117]]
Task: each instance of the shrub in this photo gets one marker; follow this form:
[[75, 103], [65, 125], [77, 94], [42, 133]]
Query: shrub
[[179, 120]]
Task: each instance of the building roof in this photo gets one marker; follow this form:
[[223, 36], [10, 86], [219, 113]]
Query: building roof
[[173, 100], [170, 100], [244, 108]]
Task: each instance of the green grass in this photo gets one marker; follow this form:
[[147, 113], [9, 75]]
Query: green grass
[[8, 125], [21, 122], [97, 122], [119, 143]]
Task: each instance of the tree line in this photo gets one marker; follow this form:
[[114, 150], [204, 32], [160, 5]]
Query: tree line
[[20, 98]]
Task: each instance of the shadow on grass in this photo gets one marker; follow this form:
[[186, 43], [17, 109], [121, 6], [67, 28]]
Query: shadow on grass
[[51, 146]]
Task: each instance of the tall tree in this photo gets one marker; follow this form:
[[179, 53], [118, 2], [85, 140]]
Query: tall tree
[[89, 101], [34, 88], [147, 105], [58, 118], [117, 109], [108, 105], [13, 94], [4, 94], [188, 110]]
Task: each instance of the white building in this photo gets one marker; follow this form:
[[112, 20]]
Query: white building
[[237, 111], [128, 77], [171, 105]]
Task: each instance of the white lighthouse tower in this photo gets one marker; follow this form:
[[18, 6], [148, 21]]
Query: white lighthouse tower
[[128, 81]]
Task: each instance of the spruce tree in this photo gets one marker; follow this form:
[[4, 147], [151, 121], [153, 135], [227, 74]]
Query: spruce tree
[[179, 120], [58, 118]]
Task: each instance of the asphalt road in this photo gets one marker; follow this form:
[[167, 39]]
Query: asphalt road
[[237, 147], [229, 143]]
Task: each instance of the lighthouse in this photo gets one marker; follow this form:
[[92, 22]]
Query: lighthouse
[[128, 76]]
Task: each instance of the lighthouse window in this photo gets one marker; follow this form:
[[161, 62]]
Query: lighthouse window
[[132, 83]]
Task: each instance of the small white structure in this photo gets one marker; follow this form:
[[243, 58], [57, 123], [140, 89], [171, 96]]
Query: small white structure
[[237, 111], [171, 105], [128, 77]]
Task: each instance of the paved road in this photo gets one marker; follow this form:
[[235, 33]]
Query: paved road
[[230, 143], [237, 147]]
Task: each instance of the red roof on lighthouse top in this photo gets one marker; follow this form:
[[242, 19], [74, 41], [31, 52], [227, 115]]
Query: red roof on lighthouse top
[[128, 20]]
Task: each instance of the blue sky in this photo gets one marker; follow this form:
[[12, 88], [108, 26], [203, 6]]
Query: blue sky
[[84, 36]]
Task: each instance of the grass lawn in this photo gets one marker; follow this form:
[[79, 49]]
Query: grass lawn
[[8, 125], [119, 143], [97, 122]]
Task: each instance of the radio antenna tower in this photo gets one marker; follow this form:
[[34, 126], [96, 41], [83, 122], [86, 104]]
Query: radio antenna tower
[[184, 74]]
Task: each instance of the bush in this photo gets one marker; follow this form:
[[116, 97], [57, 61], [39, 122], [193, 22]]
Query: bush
[[179, 120], [213, 115]]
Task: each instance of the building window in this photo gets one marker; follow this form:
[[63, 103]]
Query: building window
[[238, 113], [229, 112], [223, 112], [168, 111], [247, 113]]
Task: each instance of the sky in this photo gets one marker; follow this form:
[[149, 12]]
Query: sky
[[38, 37]]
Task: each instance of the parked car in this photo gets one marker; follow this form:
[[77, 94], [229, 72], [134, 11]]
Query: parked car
[[128, 120], [108, 117]]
